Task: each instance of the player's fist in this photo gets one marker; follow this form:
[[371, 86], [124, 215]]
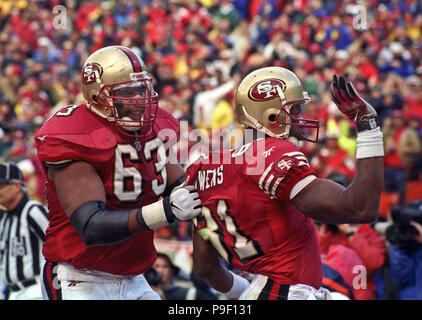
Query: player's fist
[[184, 202], [345, 96]]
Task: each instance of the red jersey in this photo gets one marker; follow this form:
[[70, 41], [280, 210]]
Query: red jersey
[[133, 173], [249, 218], [392, 158]]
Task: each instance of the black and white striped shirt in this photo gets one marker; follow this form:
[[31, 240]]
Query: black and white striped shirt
[[22, 234]]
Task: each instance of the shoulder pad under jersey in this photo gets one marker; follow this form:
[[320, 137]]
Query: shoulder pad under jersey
[[166, 126], [73, 132]]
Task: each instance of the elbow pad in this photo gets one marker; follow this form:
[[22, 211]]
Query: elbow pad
[[98, 226]]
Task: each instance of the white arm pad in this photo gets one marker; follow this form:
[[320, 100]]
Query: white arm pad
[[183, 204], [154, 215], [369, 144], [240, 284]]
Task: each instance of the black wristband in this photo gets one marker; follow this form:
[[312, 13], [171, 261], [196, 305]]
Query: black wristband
[[140, 218], [167, 209], [155, 215], [169, 189], [367, 124]]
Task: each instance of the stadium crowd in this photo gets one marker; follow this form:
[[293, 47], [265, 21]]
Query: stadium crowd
[[197, 50]]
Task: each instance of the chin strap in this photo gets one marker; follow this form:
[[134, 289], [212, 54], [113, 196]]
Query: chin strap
[[260, 127], [282, 136], [252, 119], [96, 111]]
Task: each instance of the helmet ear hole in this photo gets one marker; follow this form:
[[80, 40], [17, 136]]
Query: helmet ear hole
[[272, 117]]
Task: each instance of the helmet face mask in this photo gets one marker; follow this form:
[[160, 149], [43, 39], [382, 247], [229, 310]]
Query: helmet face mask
[[270, 99], [134, 104], [116, 88], [298, 126]]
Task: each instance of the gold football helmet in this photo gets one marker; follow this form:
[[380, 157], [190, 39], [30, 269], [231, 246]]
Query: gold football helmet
[[116, 86], [269, 100]]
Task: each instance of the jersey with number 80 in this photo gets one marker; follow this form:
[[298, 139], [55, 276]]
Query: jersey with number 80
[[133, 173], [247, 215]]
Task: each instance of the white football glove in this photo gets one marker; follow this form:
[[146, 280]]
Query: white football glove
[[184, 202]]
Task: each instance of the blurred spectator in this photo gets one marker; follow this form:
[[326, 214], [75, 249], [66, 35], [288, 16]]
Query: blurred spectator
[[416, 164], [405, 238], [332, 158], [410, 145], [406, 270], [165, 266], [339, 268], [223, 115], [174, 284], [329, 235], [206, 101], [225, 9], [46, 53], [395, 179], [397, 60], [369, 251], [414, 108], [9, 83], [371, 248], [155, 280], [338, 33]]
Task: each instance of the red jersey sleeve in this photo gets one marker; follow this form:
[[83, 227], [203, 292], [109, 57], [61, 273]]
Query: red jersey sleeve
[[284, 167], [74, 133]]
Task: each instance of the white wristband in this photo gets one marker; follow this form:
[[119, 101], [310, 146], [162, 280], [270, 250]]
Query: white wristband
[[153, 216], [240, 284], [369, 144]]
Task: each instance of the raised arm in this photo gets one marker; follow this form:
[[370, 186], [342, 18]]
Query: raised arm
[[329, 202]]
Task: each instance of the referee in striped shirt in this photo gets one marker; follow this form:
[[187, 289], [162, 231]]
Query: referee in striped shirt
[[22, 233]]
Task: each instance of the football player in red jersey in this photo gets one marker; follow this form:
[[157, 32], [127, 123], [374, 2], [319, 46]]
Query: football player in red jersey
[[109, 183], [261, 222]]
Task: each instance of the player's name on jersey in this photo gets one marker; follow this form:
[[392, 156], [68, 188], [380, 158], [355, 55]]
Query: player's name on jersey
[[209, 178]]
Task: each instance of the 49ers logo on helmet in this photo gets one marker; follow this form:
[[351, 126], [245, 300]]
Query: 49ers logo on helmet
[[91, 72], [266, 89]]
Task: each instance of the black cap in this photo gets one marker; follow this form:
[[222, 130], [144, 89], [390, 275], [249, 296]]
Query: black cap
[[9, 172]]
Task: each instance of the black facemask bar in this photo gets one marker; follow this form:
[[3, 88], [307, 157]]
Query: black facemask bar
[[293, 117], [134, 104]]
